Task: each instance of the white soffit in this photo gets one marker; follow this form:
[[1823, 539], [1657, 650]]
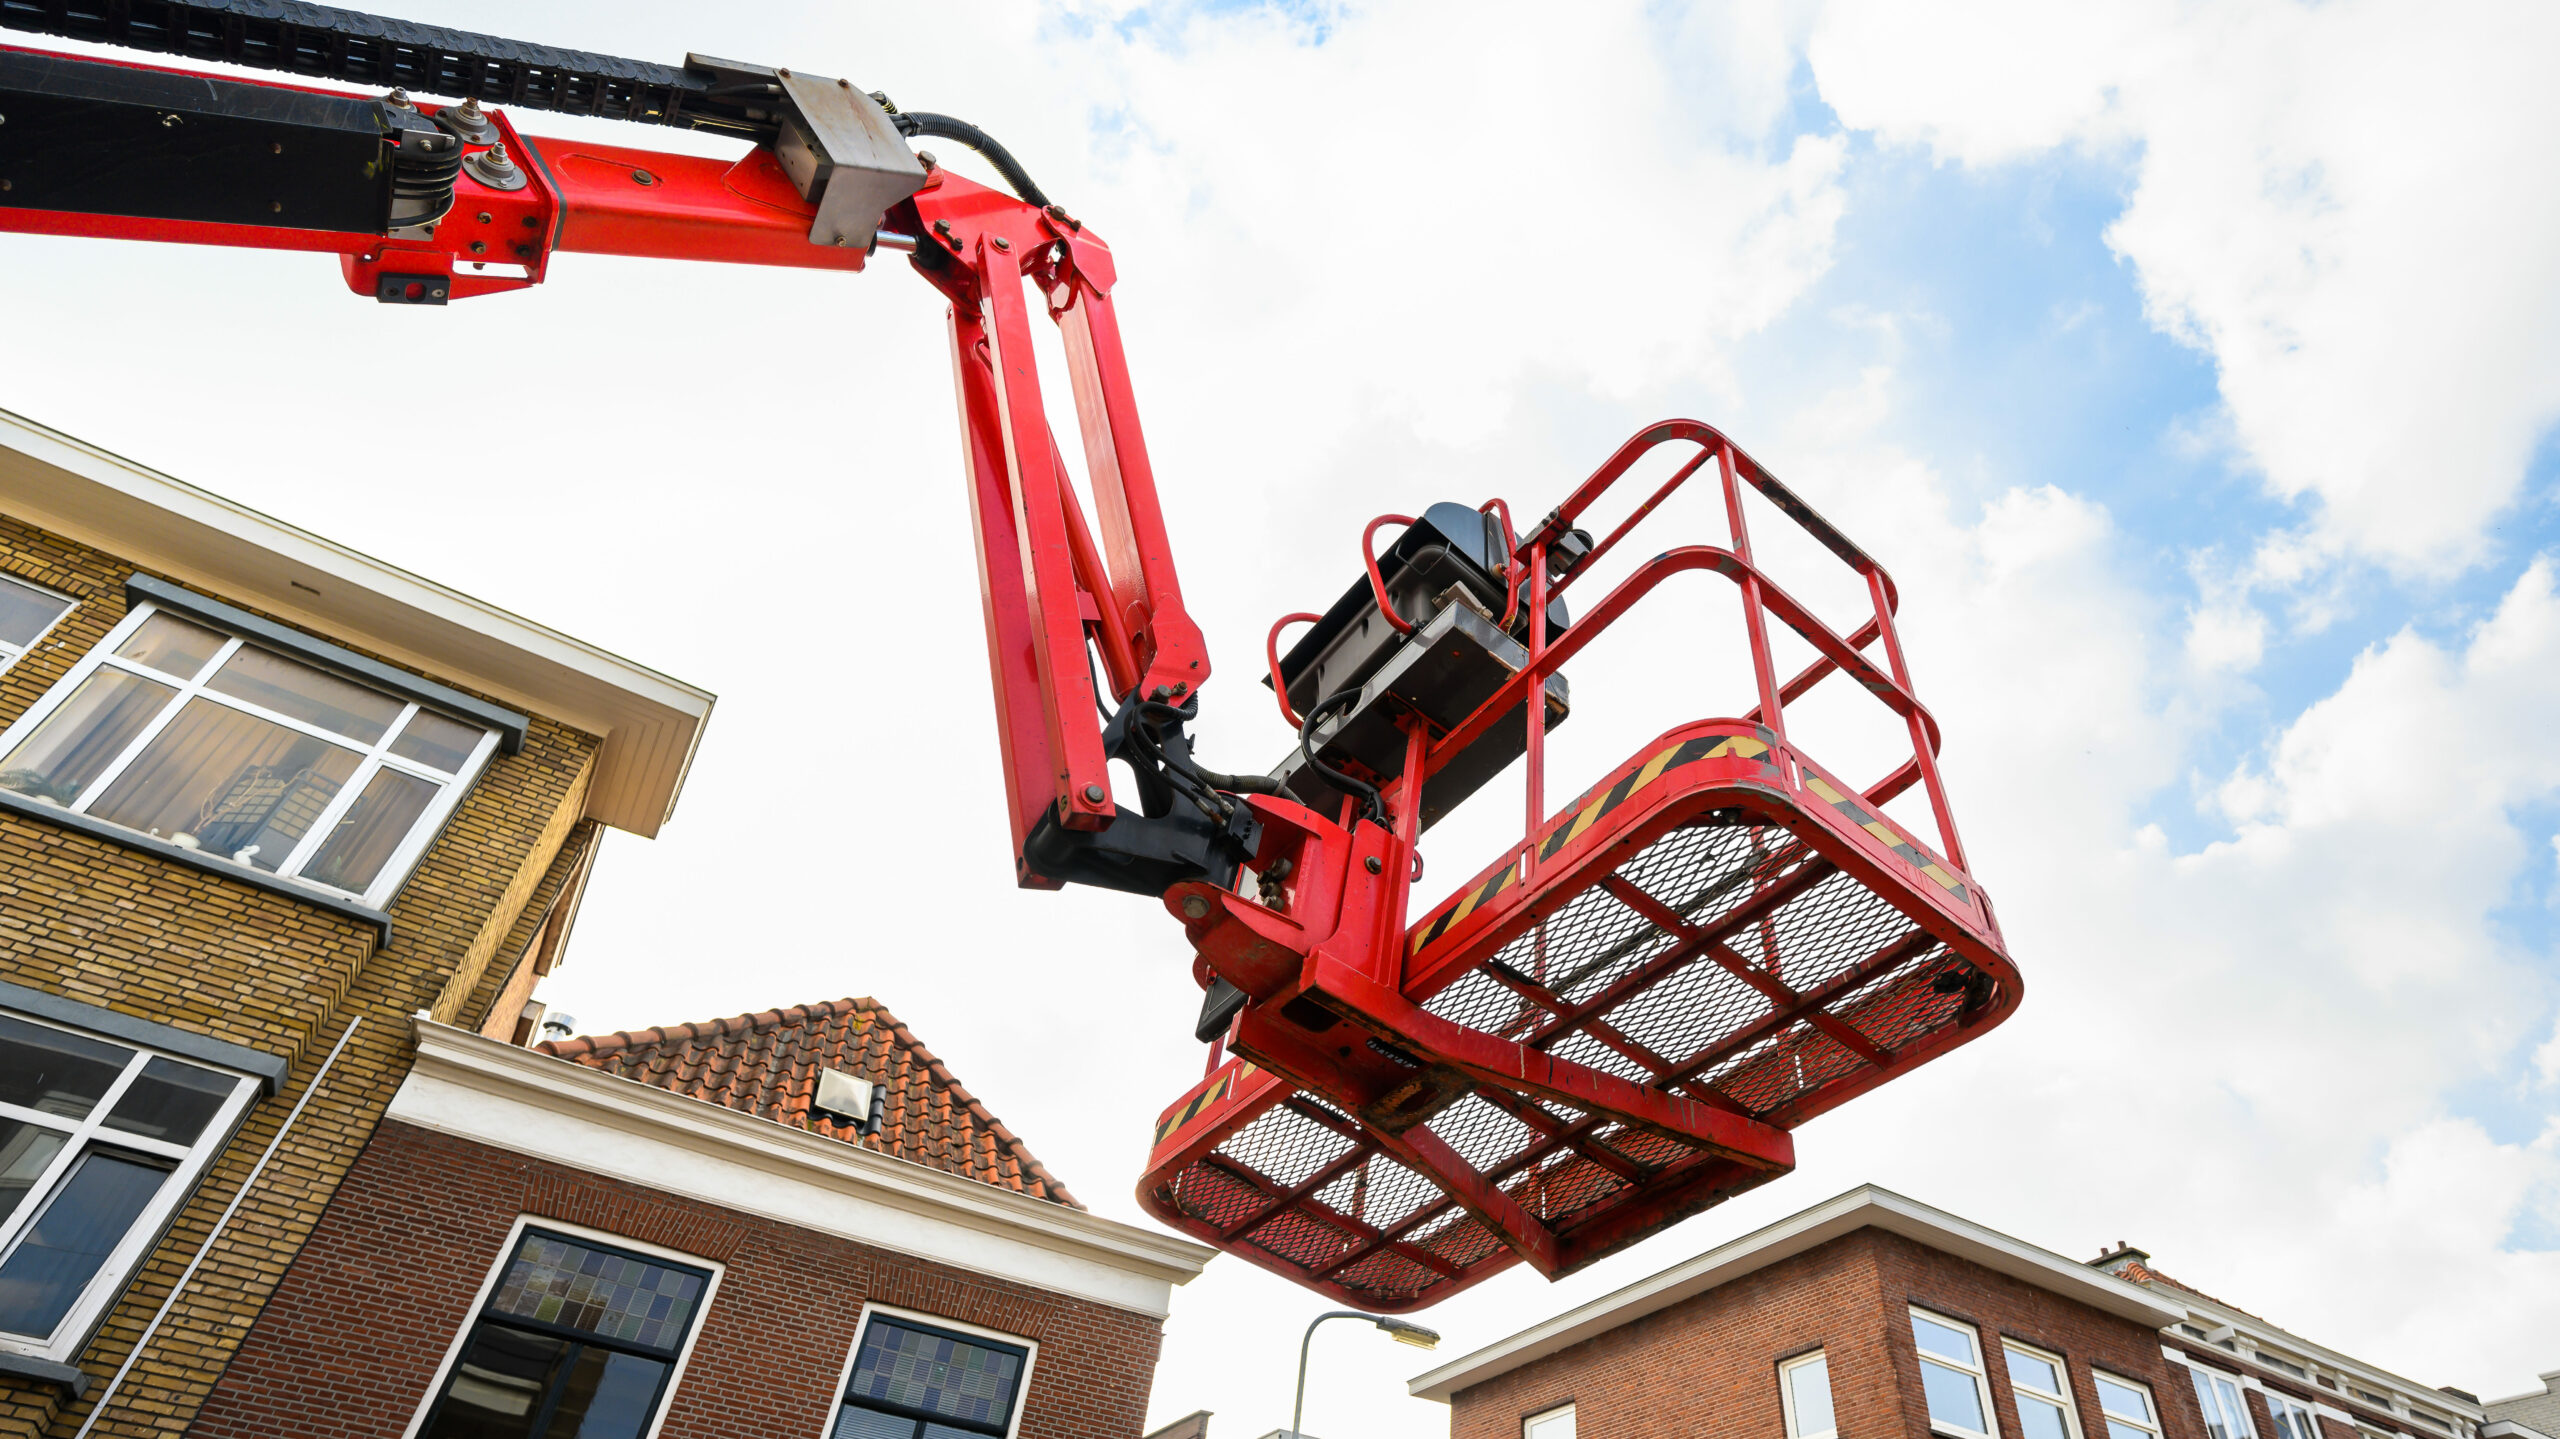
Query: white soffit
[[497, 1094], [649, 722], [1864, 1207]]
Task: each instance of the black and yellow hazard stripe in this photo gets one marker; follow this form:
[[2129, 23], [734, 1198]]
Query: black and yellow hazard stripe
[[1174, 1122], [1885, 834], [1593, 808]]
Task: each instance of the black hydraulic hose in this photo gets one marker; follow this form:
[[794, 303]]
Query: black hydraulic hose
[[1231, 783], [1361, 790], [925, 122]]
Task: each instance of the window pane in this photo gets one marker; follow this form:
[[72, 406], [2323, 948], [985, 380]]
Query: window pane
[[936, 1375], [172, 646], [1944, 1339], [1953, 1400], [371, 829], [171, 1101], [25, 611], [498, 1385], [2041, 1420], [606, 1396], [431, 739], [25, 1150], [2118, 1429], [228, 783], [76, 742], [2029, 1372], [312, 696], [1558, 1425], [56, 1071], [67, 1244], [560, 1281], [859, 1422], [2123, 1399], [1809, 1385]]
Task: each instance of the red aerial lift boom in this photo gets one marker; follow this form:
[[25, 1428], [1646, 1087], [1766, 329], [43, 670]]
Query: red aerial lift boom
[[1617, 1022]]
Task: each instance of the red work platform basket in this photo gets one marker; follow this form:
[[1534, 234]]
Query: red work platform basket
[[1617, 1023]]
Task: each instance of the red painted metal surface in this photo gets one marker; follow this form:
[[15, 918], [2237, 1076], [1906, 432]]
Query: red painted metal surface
[[1616, 1023], [1620, 1020]]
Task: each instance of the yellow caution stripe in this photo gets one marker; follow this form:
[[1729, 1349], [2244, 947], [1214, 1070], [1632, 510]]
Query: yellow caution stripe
[[1885, 834], [1590, 810], [1174, 1122]]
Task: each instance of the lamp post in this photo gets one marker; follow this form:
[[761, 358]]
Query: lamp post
[[1402, 1331]]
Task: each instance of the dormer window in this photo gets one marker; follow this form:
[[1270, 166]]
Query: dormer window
[[248, 753]]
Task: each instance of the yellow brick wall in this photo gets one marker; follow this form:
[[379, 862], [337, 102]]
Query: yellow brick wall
[[92, 920]]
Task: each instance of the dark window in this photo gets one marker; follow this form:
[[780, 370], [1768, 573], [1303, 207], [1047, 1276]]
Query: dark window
[[576, 1342], [913, 1381]]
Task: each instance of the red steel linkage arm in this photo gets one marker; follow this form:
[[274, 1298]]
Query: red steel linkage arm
[[1052, 581]]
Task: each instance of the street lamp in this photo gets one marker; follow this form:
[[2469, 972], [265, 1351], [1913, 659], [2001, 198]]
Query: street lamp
[[1403, 1331]]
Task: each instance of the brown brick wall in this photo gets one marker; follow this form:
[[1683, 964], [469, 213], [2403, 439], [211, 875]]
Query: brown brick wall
[[1707, 1368], [357, 1334], [95, 921]]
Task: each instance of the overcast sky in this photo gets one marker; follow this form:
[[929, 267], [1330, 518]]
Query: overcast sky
[[2193, 368]]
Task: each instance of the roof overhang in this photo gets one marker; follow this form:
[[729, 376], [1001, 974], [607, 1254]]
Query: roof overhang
[[1864, 1207], [650, 723], [630, 1132]]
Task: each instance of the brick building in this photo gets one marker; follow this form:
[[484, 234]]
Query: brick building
[[261, 799], [782, 1272], [1873, 1314]]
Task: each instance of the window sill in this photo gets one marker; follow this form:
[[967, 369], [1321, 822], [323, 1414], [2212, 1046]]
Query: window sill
[[14, 803], [65, 1377]]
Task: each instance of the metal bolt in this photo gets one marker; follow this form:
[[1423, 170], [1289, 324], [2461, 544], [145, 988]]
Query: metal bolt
[[4, 119], [643, 177], [1003, 244], [1373, 864], [479, 247], [532, 222], [276, 148], [484, 217], [841, 240], [438, 292], [1095, 794], [5, 184], [171, 122], [925, 158], [276, 205], [844, 84], [398, 100], [942, 227], [525, 250], [785, 74], [1194, 907]]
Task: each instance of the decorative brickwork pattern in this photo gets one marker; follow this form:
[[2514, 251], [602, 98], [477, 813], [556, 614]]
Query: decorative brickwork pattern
[[1707, 1368], [356, 1337], [767, 1064], [119, 927]]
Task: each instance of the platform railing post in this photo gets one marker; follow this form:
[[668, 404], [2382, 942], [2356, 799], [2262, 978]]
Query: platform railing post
[[1534, 713], [1754, 617], [1921, 751]]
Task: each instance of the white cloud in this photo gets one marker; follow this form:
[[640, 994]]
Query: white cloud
[[2334, 202]]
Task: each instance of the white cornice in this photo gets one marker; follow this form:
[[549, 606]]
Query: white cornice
[[1864, 1207], [2260, 1333], [498, 1094], [650, 723]]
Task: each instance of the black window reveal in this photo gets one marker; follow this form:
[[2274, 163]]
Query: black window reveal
[[578, 1338], [914, 1381]]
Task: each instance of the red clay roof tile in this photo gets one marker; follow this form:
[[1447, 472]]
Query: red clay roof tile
[[767, 1064]]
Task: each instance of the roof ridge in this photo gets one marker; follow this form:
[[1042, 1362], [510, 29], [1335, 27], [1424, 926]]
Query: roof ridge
[[731, 1061]]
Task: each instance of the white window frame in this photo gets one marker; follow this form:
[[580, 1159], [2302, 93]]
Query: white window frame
[[374, 758], [81, 1137], [2150, 1400], [2277, 1404], [862, 1325], [2240, 1389], [1560, 1411], [497, 1272], [10, 654], [1787, 1395], [2061, 1370], [1980, 1372]]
